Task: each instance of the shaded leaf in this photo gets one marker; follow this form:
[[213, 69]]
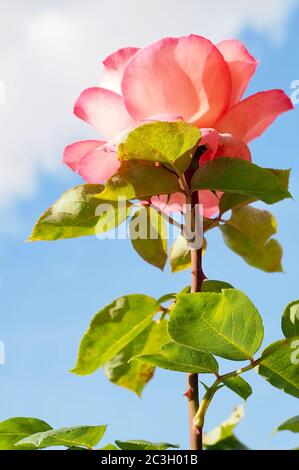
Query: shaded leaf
[[291, 424], [180, 254], [210, 285], [84, 436], [149, 235], [238, 176], [170, 143], [222, 437], [112, 328], [134, 375], [239, 386], [248, 233], [140, 181], [144, 445], [226, 324], [280, 365], [14, 429], [173, 356], [290, 320]]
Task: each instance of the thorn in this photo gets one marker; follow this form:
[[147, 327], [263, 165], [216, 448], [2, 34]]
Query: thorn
[[188, 394]]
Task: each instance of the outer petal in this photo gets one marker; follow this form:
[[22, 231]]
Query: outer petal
[[186, 76], [210, 139], [175, 203], [251, 117], [114, 66], [242, 66], [104, 110], [99, 164], [75, 152], [209, 201], [233, 148]]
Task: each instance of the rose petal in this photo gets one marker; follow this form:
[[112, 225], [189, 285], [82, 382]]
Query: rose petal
[[233, 148], [75, 152], [209, 201], [114, 66], [104, 110], [176, 202], [242, 66], [186, 76], [99, 164], [252, 116], [210, 139]]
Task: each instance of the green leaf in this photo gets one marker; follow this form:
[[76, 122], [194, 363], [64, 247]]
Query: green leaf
[[290, 320], [140, 181], [239, 386], [84, 436], [280, 365], [109, 447], [173, 356], [230, 200], [77, 213], [210, 285], [149, 235], [134, 375], [170, 143], [226, 324], [222, 437], [291, 424], [14, 429], [144, 445], [234, 175], [180, 254], [112, 328], [248, 233]]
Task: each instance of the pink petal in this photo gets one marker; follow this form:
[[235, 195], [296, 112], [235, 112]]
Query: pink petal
[[209, 201], [99, 164], [75, 152], [186, 76], [233, 148], [242, 66], [210, 139], [252, 116], [104, 110], [114, 66], [176, 202]]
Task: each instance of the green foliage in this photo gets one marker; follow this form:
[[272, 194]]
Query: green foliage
[[134, 374], [290, 320], [173, 356], [82, 436], [151, 245], [14, 429], [140, 182], [226, 324], [79, 212], [239, 386], [180, 255], [210, 285], [112, 328], [171, 143], [145, 445], [291, 424], [222, 437], [248, 233], [280, 365], [234, 175]]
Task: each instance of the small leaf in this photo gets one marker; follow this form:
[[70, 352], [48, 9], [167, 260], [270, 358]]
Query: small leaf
[[144, 445], [109, 447], [170, 143], [112, 328], [140, 182], [226, 324], [134, 375], [210, 285], [280, 365], [180, 254], [291, 424], [14, 429], [173, 356], [290, 320], [222, 437], [239, 386], [79, 213], [84, 436], [148, 235], [248, 233], [234, 175]]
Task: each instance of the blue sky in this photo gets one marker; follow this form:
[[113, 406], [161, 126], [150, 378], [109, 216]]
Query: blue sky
[[50, 291]]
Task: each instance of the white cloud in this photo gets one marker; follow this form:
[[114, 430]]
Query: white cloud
[[49, 52]]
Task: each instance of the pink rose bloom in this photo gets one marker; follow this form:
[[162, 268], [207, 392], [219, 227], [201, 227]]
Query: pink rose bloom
[[185, 78]]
